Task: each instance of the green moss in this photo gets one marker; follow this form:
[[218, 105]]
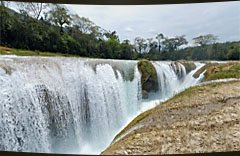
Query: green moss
[[146, 69], [148, 75], [213, 85], [189, 91]]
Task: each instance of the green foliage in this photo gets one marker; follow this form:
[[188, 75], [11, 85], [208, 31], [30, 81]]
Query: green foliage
[[59, 16], [205, 39], [28, 30], [216, 51]]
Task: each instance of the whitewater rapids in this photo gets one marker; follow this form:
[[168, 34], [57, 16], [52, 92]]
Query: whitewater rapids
[[75, 105]]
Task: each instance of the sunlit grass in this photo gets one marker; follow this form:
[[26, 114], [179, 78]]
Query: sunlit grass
[[19, 52]]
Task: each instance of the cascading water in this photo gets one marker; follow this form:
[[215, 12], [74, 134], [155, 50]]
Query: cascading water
[[72, 105], [172, 79]]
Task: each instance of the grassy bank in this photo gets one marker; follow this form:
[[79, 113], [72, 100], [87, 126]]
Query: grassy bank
[[216, 71], [19, 52], [221, 71]]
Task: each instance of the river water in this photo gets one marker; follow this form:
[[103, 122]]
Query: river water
[[76, 105]]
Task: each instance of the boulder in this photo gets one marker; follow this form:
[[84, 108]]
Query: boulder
[[149, 78]]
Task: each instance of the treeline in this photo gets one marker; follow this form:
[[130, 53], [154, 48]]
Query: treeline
[[44, 27]]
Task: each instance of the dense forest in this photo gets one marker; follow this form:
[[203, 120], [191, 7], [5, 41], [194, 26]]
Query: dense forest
[[52, 28]]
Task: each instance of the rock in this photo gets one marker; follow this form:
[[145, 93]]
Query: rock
[[209, 67], [189, 66], [176, 68], [144, 94], [148, 73], [147, 86]]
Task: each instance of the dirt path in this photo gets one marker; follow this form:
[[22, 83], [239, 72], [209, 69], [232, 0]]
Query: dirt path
[[200, 119]]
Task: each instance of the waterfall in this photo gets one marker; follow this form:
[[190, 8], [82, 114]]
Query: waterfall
[[172, 79], [75, 105]]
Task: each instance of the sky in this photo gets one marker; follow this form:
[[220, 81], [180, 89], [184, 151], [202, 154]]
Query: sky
[[221, 19], [130, 21]]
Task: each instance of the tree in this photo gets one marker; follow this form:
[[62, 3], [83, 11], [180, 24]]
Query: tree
[[173, 44], [126, 50], [159, 37], [59, 16], [180, 41], [140, 44], [112, 35], [32, 9], [82, 23], [205, 39]]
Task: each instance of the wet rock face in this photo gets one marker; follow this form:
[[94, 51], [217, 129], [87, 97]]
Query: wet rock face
[[208, 66], [189, 66], [149, 78], [144, 94], [177, 69]]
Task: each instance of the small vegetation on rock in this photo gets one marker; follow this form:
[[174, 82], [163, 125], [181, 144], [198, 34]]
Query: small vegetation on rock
[[221, 71], [149, 78], [216, 71]]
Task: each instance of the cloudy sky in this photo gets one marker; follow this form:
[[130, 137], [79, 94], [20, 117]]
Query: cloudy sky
[[221, 19]]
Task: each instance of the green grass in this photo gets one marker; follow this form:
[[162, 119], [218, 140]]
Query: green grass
[[213, 85], [229, 70], [216, 71], [19, 52]]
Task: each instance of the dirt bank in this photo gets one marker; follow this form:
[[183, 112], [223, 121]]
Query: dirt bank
[[200, 119]]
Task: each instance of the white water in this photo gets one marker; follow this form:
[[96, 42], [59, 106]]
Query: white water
[[171, 83], [71, 105]]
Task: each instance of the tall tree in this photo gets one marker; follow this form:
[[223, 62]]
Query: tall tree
[[205, 39], [159, 38], [181, 40], [59, 16], [32, 9], [173, 44], [83, 24], [140, 44]]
